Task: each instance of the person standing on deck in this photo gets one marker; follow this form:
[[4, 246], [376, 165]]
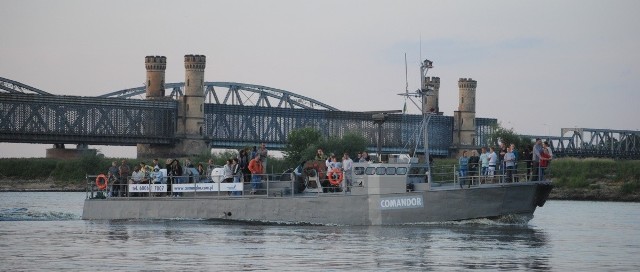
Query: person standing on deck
[[263, 155], [210, 167], [474, 166], [484, 161], [177, 172], [516, 154], [535, 160], [237, 173], [255, 166], [509, 162], [464, 167], [228, 171], [347, 166], [243, 163], [545, 160], [547, 148], [113, 179], [493, 159], [500, 163], [527, 159], [320, 156], [125, 171]]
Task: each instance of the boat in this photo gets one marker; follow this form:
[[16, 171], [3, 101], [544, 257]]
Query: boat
[[380, 193], [393, 191]]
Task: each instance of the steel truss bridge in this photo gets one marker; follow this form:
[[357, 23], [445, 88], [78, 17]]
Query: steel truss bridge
[[236, 115], [591, 142]]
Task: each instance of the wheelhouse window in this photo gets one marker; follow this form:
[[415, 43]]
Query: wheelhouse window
[[371, 170], [358, 170], [381, 170], [401, 171], [391, 170]]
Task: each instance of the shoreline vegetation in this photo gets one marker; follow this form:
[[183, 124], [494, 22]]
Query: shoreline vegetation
[[574, 179]]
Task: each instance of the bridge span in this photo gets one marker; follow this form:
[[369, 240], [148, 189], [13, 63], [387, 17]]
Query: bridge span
[[239, 115], [236, 115]]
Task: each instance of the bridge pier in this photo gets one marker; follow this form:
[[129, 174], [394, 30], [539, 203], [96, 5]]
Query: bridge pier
[[60, 152]]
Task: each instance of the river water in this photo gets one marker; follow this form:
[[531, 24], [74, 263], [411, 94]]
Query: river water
[[42, 231]]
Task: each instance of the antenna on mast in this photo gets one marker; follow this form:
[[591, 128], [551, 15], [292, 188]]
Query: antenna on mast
[[406, 77], [406, 84], [420, 46]]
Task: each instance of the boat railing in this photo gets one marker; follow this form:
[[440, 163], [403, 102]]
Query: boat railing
[[276, 185], [267, 185], [521, 172]]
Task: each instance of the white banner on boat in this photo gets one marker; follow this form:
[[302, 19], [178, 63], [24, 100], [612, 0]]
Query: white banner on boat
[[231, 187], [146, 188], [405, 202], [207, 187]]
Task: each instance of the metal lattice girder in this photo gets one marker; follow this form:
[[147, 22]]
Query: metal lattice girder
[[484, 128], [230, 126], [11, 86], [589, 142], [29, 118], [558, 144], [440, 131], [236, 94]]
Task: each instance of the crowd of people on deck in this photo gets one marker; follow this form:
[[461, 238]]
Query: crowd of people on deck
[[490, 166], [249, 165], [340, 168]]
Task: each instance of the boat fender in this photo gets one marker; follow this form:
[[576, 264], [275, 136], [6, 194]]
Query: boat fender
[[101, 182], [335, 177]]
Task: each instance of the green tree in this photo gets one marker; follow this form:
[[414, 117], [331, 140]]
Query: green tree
[[303, 144], [508, 136], [350, 143], [299, 144]]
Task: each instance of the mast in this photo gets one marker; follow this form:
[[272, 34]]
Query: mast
[[425, 91]]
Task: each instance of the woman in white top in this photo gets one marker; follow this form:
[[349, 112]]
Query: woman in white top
[[228, 171]]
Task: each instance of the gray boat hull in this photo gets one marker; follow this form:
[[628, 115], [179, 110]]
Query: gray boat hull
[[334, 208]]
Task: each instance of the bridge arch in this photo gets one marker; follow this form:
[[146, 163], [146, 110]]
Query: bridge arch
[[233, 93], [12, 86]]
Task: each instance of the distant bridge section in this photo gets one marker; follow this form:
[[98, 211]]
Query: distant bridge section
[[31, 118], [598, 143]]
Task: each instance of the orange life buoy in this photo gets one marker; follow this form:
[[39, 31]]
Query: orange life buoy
[[101, 182], [335, 176]]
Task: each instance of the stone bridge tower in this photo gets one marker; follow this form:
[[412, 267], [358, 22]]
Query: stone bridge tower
[[189, 135], [155, 65], [464, 119], [191, 107]]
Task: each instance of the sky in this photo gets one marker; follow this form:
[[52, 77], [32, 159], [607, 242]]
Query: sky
[[540, 65]]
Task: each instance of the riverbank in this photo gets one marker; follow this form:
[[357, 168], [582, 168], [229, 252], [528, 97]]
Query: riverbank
[[605, 192], [12, 185]]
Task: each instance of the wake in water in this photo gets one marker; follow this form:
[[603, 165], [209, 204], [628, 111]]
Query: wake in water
[[505, 220], [24, 214]]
